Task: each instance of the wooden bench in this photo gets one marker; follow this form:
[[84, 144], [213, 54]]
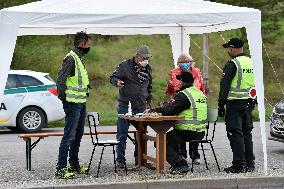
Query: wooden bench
[[30, 146]]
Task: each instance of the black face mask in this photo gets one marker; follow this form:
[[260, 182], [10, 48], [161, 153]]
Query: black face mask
[[230, 54], [84, 50]]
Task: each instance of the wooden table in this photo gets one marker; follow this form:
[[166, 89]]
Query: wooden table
[[160, 124]]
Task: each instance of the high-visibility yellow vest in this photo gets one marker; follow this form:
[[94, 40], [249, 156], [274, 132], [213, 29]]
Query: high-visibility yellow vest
[[77, 86], [243, 80], [196, 115]]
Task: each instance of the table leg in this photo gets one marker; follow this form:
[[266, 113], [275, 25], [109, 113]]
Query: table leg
[[142, 144], [161, 154], [29, 154]]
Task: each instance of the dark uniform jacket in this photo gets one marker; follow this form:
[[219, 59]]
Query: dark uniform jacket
[[134, 91], [67, 70]]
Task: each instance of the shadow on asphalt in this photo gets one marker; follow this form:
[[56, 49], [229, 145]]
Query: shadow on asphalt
[[279, 152], [44, 130], [6, 132]]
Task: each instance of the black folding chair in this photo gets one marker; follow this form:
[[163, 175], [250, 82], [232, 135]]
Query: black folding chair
[[93, 121], [212, 117]]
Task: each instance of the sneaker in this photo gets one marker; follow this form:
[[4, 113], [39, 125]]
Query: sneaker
[[250, 169], [78, 170], [197, 161], [234, 169], [120, 165], [64, 174]]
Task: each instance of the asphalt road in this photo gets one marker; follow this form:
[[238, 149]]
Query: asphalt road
[[13, 172]]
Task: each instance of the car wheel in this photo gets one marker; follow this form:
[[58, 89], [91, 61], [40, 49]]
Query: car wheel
[[31, 120]]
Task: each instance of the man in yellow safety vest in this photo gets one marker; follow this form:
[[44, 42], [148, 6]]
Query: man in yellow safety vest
[[235, 86], [191, 103], [73, 90]]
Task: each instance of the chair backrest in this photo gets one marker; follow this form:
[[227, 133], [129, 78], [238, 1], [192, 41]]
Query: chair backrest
[[93, 121], [212, 117]]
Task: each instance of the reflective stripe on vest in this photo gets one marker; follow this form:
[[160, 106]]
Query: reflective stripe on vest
[[236, 90], [76, 96], [193, 124], [77, 85], [77, 89]]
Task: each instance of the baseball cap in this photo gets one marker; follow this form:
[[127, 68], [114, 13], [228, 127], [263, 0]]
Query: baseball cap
[[185, 77], [234, 43], [144, 51]]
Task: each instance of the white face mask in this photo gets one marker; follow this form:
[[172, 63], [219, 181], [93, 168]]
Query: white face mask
[[144, 63]]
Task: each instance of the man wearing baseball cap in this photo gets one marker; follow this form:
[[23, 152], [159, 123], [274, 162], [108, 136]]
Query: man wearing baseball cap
[[133, 77], [236, 83]]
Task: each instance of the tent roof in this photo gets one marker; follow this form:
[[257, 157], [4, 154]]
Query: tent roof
[[126, 14]]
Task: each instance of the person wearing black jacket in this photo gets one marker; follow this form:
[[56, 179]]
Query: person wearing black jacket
[[236, 82], [181, 103], [72, 87], [133, 77]]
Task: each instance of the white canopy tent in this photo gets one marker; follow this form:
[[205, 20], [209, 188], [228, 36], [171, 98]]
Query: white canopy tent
[[177, 18]]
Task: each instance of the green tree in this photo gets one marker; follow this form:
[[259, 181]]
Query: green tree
[[272, 13], [10, 3]]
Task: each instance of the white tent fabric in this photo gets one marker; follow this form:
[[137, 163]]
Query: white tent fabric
[[177, 18]]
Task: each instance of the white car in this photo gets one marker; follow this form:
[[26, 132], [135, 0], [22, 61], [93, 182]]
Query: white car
[[30, 101]]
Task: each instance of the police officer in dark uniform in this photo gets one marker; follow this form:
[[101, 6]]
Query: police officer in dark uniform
[[236, 83]]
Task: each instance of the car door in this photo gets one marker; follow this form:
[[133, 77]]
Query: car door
[[12, 98]]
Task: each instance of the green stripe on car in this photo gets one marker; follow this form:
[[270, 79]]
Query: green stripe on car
[[28, 89]]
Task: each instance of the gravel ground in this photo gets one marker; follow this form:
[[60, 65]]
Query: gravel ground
[[13, 173]]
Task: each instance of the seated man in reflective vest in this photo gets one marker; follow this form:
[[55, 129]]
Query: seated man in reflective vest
[[192, 104]]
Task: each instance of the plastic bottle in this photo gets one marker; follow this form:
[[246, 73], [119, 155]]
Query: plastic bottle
[[129, 109]]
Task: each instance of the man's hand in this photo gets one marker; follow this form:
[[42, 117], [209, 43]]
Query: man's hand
[[120, 83], [221, 111]]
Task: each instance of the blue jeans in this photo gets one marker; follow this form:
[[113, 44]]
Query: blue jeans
[[73, 132], [122, 132]]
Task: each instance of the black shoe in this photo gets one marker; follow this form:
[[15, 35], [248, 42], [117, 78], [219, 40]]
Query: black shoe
[[179, 170], [234, 169], [183, 162], [250, 169], [136, 162]]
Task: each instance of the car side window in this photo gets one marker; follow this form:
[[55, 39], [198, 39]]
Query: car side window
[[11, 82], [26, 81]]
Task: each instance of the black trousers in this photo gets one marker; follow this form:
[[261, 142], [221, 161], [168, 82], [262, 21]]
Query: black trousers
[[193, 151], [239, 126], [177, 137]]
